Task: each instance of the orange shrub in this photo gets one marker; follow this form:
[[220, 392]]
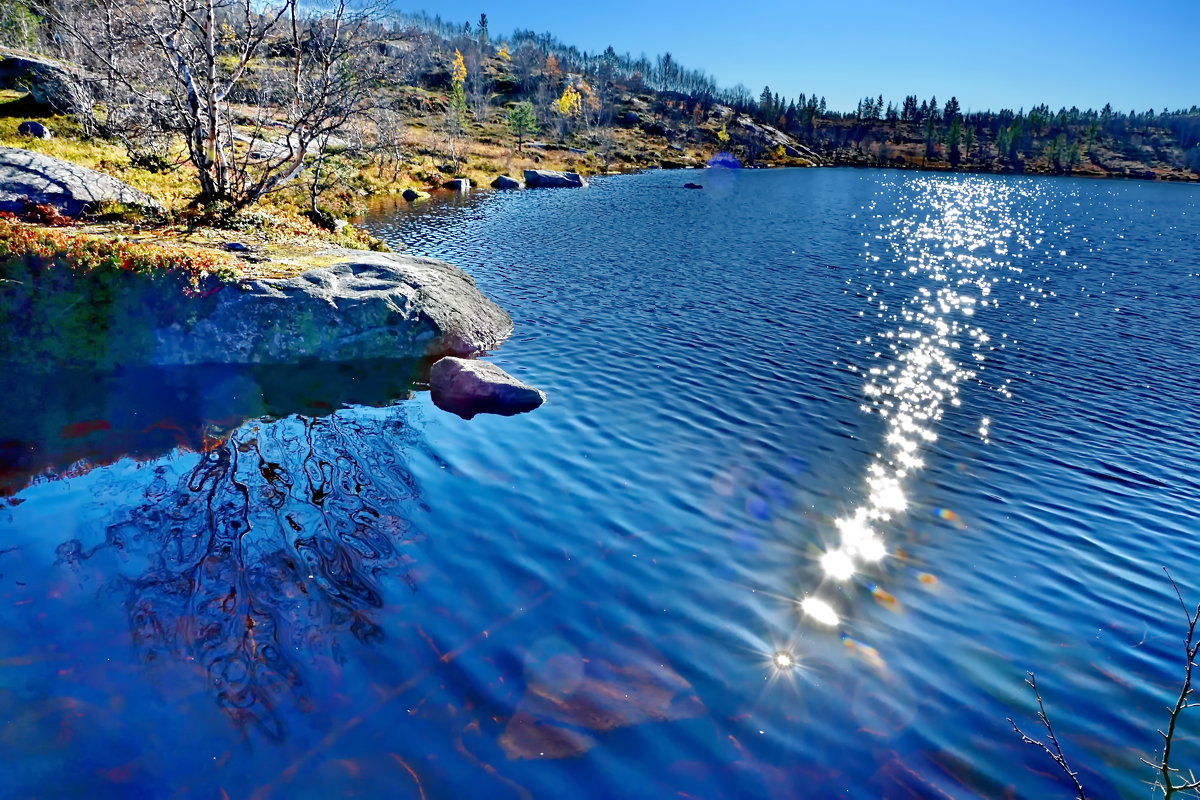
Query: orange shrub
[[194, 268]]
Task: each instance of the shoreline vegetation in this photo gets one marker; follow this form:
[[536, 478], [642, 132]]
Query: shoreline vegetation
[[260, 132]]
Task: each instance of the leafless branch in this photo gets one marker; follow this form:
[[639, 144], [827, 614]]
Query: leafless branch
[[1170, 780], [1054, 749]]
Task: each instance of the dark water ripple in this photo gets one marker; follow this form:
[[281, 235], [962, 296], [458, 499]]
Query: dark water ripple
[[305, 590]]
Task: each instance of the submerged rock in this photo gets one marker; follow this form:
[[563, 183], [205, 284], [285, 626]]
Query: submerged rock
[[505, 182], [607, 686], [34, 130], [550, 179], [70, 188], [467, 388]]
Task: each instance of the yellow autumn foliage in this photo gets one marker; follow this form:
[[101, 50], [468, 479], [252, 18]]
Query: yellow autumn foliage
[[571, 102], [458, 73]]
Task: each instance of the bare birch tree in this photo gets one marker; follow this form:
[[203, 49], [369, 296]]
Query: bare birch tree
[[253, 91]]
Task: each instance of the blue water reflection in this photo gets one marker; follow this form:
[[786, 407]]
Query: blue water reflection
[[319, 585]]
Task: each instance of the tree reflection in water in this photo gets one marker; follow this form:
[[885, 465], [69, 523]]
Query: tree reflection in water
[[270, 547]]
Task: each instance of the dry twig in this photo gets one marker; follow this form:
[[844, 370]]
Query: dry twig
[[1055, 752], [1170, 780]]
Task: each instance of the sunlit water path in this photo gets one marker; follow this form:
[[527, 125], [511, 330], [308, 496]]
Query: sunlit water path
[[831, 458]]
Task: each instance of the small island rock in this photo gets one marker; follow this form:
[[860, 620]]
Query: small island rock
[[34, 129], [467, 387], [505, 182], [693, 186], [414, 194], [549, 179]]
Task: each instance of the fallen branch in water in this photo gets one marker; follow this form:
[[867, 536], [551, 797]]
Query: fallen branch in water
[[1055, 752], [1169, 780]]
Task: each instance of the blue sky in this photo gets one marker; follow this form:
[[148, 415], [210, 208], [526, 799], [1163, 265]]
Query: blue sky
[[989, 53]]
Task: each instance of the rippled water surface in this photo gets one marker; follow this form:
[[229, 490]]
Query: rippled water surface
[[831, 458]]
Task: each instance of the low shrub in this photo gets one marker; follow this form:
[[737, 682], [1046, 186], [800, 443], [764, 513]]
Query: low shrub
[[197, 271]]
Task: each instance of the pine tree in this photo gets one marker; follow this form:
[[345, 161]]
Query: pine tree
[[765, 103], [951, 111], [521, 122], [954, 140]]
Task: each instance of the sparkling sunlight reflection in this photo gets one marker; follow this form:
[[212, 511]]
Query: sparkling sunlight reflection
[[952, 242]]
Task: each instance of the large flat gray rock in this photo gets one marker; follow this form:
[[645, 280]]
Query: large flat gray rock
[[56, 84], [552, 179], [365, 307], [70, 188], [370, 306]]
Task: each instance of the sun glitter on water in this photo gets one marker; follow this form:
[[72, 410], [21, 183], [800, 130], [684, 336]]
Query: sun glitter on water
[[956, 242]]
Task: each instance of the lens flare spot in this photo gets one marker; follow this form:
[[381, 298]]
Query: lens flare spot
[[883, 596], [864, 651]]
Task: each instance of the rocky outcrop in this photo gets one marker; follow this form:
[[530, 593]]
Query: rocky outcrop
[[551, 179], [469, 387], [34, 130], [72, 189], [365, 306], [55, 84], [768, 137], [414, 194], [505, 182]]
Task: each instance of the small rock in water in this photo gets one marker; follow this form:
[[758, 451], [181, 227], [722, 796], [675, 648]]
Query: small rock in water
[[237, 247], [414, 194], [467, 387], [457, 185], [505, 182], [692, 186], [34, 129]]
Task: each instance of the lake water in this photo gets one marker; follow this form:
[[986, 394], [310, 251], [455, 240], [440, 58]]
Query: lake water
[[831, 458]]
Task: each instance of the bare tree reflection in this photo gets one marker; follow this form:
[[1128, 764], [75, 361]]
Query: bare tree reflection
[[269, 549]]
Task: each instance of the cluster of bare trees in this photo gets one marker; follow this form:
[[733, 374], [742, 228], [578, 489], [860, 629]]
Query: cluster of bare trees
[[257, 94]]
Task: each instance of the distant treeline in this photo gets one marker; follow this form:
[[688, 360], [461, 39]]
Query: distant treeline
[[1062, 138], [571, 91]]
